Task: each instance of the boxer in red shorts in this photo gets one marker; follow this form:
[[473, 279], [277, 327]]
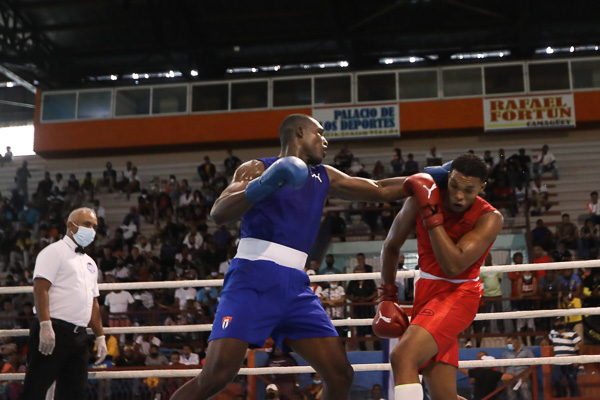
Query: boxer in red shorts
[[455, 231]]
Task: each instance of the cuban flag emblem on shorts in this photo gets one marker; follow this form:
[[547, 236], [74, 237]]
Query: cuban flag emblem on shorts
[[226, 321]]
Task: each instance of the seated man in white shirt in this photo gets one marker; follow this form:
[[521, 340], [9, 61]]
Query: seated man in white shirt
[[546, 163], [189, 358]]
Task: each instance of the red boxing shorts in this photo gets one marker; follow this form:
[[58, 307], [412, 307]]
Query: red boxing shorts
[[445, 309]]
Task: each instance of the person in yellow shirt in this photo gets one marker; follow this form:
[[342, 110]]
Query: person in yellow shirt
[[568, 300]]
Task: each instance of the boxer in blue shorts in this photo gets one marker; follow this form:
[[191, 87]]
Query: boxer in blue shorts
[[266, 291]]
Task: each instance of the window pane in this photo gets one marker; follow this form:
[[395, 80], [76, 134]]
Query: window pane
[[418, 85], [169, 100], [59, 106], [333, 90], [210, 97], [133, 102], [248, 95], [376, 87], [504, 79], [586, 74], [94, 104], [462, 82], [291, 92], [549, 76]]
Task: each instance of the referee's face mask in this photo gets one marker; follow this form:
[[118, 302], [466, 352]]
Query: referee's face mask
[[84, 236]]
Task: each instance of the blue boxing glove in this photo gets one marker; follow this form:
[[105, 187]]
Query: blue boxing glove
[[285, 171], [440, 174]]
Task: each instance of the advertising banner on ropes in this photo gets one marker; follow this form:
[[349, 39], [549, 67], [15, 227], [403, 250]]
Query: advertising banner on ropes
[[529, 112], [359, 122]]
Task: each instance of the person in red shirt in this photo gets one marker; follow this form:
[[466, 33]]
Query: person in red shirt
[[514, 280], [455, 231], [540, 257]]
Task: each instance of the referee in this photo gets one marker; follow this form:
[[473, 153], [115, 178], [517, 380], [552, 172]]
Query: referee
[[65, 288]]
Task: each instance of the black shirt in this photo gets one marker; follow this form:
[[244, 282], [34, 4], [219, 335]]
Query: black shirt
[[486, 380]]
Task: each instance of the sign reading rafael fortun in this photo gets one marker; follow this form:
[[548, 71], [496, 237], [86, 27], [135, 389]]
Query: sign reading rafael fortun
[[354, 122], [529, 112]]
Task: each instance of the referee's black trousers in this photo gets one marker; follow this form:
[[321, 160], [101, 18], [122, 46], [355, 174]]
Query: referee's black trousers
[[67, 365]]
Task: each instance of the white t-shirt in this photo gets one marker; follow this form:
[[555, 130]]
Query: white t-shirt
[[594, 208], [548, 158], [146, 298], [186, 199], [121, 272], [224, 266], [183, 294], [197, 243], [542, 189], [192, 359], [118, 302], [74, 279]]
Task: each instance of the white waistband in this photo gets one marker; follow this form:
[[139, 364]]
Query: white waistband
[[257, 249], [425, 275]]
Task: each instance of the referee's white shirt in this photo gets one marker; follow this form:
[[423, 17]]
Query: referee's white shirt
[[74, 279]]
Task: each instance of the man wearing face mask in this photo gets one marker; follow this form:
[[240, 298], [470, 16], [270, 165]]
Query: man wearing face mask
[[522, 388], [155, 358], [334, 299], [65, 290]]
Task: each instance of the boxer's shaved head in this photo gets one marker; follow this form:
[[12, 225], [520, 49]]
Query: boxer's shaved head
[[290, 126]]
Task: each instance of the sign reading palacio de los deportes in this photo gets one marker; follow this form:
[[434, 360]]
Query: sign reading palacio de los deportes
[[353, 122]]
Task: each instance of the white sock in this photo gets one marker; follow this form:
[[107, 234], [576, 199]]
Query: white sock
[[411, 391]]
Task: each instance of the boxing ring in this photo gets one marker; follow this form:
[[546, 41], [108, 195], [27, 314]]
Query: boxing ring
[[184, 373]]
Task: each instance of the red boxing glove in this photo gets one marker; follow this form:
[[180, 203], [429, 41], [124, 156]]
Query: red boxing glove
[[390, 320], [423, 188]]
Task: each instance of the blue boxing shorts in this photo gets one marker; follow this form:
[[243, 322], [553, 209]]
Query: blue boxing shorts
[[262, 299]]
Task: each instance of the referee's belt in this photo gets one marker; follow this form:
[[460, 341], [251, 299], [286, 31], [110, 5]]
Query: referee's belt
[[68, 325]]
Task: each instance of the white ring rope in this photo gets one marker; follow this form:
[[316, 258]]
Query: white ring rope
[[337, 322], [183, 373], [316, 278], [344, 322]]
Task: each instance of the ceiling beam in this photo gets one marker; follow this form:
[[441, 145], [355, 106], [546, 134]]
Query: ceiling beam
[[477, 10], [11, 75]]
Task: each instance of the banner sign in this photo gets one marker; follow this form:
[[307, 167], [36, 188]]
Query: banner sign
[[355, 122], [529, 112]]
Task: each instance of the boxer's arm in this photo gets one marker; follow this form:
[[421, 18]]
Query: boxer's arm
[[360, 189], [390, 189], [401, 227], [232, 203], [455, 258]]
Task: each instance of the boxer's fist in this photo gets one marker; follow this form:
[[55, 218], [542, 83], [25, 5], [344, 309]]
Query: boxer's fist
[[423, 188], [285, 171], [390, 320], [440, 174]]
